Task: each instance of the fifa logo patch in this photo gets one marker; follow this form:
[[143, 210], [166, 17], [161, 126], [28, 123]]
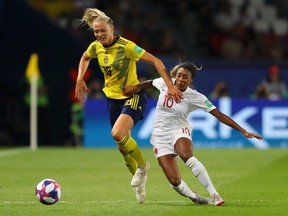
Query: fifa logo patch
[[138, 49], [208, 103]]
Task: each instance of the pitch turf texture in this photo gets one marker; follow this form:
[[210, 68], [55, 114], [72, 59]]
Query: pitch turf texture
[[96, 182]]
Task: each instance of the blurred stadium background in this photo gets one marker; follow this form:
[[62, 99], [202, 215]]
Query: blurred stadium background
[[238, 42]]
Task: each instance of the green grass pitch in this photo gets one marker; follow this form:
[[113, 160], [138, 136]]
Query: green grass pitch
[[96, 182]]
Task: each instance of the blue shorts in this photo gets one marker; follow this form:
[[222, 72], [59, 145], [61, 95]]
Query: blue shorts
[[133, 106]]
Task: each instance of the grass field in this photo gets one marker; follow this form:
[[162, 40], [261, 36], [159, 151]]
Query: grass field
[[96, 182]]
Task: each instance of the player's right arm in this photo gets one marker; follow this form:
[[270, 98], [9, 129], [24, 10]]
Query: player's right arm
[[130, 90], [160, 67], [81, 86]]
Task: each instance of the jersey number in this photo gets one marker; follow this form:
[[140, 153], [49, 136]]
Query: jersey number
[[186, 131], [168, 101], [107, 70]]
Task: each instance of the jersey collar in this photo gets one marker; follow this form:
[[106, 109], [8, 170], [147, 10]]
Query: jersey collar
[[117, 37]]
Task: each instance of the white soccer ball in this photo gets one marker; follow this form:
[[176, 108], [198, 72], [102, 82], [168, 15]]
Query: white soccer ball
[[48, 191]]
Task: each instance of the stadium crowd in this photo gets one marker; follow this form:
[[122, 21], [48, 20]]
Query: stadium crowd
[[201, 29], [220, 29], [229, 29]]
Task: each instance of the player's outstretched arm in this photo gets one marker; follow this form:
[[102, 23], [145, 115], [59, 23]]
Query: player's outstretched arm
[[252, 135], [231, 123]]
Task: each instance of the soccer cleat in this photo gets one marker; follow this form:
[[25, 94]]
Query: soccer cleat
[[201, 200], [138, 177], [140, 191], [217, 200]]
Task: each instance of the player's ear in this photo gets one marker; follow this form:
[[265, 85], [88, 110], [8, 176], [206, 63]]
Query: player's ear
[[112, 27], [191, 78]]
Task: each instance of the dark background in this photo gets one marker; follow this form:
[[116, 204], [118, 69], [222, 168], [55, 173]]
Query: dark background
[[25, 29]]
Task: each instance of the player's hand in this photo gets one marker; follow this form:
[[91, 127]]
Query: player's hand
[[176, 93], [81, 89], [252, 135], [129, 90]]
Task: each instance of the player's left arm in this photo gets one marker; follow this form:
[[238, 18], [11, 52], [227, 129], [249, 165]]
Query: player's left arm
[[231, 123]]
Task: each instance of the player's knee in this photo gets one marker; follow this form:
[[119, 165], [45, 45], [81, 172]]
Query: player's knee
[[186, 156], [117, 134]]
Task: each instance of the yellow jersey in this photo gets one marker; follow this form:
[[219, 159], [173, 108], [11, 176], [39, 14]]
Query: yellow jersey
[[118, 64]]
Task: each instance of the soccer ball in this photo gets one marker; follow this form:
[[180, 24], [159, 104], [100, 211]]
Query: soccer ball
[[48, 191]]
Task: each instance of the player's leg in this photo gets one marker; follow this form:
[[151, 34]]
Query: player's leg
[[122, 119], [132, 167], [120, 129], [133, 157], [130, 163], [184, 148], [115, 109], [168, 163], [132, 111], [202, 175], [120, 133]]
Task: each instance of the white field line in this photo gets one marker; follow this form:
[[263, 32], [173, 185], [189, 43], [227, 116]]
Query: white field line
[[17, 151], [233, 202], [100, 202]]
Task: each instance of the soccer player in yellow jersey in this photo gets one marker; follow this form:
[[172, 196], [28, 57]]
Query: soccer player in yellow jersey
[[117, 58]]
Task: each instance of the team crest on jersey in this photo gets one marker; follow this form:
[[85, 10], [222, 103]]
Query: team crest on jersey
[[106, 60]]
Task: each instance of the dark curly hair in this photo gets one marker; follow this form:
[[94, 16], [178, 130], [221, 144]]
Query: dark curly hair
[[188, 66]]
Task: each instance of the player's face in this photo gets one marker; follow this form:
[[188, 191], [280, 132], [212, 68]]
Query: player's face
[[183, 79], [103, 32]]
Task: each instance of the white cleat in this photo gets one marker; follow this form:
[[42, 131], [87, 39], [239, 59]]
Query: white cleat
[[140, 191], [138, 177], [217, 200], [201, 200]]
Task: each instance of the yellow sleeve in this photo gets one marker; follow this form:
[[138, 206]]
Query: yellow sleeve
[[133, 51], [92, 50]]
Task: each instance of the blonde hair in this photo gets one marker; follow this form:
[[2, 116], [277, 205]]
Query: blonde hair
[[92, 15]]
